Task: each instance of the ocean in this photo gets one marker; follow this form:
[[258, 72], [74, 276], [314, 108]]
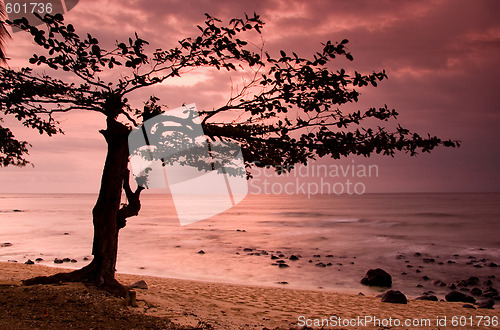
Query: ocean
[[417, 238]]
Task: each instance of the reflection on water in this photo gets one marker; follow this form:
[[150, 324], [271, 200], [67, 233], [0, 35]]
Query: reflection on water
[[350, 233]]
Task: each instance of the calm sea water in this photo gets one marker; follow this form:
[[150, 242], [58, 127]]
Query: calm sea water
[[352, 233]]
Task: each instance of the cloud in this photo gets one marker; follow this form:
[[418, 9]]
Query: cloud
[[441, 58]]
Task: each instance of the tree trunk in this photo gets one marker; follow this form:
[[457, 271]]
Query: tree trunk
[[101, 271], [105, 245]]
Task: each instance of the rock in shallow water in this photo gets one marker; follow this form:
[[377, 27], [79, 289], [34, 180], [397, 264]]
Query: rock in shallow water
[[428, 297], [476, 291], [455, 296], [377, 277], [439, 283], [486, 304]]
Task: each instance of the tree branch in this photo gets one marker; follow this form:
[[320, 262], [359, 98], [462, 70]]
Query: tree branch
[[134, 204]]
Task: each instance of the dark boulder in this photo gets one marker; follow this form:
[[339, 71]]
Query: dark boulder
[[428, 297], [476, 291], [377, 277], [473, 280], [201, 252], [490, 292], [486, 304], [394, 297], [439, 283], [29, 262], [58, 261], [455, 296], [293, 257]]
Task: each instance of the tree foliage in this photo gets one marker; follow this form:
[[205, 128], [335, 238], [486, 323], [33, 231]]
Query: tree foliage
[[288, 113]]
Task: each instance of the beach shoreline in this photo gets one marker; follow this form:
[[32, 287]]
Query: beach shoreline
[[238, 306]]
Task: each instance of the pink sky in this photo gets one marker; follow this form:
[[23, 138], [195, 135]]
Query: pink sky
[[442, 59]]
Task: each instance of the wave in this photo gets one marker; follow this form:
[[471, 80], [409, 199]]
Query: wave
[[301, 214], [435, 214], [348, 220]]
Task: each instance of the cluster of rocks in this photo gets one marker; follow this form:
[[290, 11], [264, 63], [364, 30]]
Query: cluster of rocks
[[280, 259], [56, 260], [60, 261], [474, 261], [30, 262], [379, 277]]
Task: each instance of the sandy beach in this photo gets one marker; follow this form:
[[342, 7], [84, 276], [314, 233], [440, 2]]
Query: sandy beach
[[215, 305]]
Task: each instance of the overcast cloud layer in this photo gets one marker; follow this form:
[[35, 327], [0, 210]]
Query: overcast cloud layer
[[442, 59]]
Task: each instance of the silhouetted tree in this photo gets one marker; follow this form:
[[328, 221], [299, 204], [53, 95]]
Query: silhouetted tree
[[288, 113], [4, 34]]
